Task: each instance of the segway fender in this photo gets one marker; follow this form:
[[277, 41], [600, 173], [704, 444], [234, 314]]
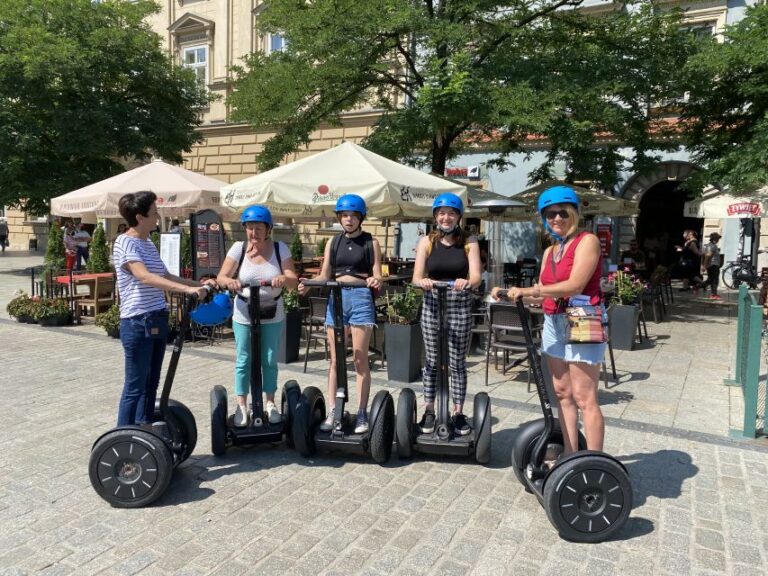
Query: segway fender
[[131, 427], [584, 453]]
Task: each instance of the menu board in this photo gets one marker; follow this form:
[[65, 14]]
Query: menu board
[[170, 252], [207, 244]]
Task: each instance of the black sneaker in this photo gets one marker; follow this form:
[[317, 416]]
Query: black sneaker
[[460, 424], [427, 423]]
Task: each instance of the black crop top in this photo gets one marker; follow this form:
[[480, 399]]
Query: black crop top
[[447, 262], [351, 259]]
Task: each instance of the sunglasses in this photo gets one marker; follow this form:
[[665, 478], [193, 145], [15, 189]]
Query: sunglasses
[[551, 214]]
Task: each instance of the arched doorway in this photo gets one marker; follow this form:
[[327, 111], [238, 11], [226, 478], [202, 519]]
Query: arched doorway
[[661, 223], [659, 227]]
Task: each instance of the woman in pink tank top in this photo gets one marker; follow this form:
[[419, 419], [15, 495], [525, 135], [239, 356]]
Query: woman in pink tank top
[[570, 266]]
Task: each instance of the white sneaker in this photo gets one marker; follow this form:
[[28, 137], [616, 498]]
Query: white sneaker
[[241, 416], [327, 424], [272, 413]]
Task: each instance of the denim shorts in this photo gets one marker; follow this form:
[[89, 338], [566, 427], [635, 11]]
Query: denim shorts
[[554, 343], [357, 307]]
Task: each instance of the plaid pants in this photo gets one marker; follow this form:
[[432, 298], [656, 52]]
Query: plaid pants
[[459, 321]]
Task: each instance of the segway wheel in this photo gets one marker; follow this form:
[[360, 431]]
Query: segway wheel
[[130, 468], [405, 423], [288, 401], [522, 448], [310, 412], [188, 429], [588, 498], [218, 420], [382, 432], [482, 423]]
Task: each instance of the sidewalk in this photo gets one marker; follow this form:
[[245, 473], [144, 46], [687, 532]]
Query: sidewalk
[[699, 494]]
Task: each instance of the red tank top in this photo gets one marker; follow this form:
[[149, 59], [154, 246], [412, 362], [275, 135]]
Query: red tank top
[[562, 271]]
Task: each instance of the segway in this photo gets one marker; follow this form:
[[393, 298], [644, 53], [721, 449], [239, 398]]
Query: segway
[[260, 430], [588, 494], [443, 440], [131, 466], [310, 411]]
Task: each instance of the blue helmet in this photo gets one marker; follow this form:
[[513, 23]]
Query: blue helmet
[[448, 200], [215, 312], [350, 203], [256, 214], [558, 195]]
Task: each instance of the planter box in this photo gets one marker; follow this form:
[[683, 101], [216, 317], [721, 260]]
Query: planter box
[[622, 325], [290, 340], [403, 345], [60, 320]]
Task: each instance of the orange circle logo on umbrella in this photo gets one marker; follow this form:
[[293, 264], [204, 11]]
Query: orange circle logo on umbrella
[[322, 189]]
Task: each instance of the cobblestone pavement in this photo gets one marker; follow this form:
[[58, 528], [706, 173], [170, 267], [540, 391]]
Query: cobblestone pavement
[[699, 495]]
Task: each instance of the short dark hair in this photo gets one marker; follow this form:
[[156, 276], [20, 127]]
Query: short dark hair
[[132, 204], [175, 221]]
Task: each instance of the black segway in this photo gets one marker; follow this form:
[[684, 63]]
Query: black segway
[[259, 430], [443, 440], [588, 494], [310, 412], [131, 466]]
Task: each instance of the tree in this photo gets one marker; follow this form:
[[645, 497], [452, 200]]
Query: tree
[[82, 86], [456, 74], [98, 260], [726, 115]]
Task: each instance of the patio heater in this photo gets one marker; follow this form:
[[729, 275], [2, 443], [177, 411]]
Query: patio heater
[[496, 208]]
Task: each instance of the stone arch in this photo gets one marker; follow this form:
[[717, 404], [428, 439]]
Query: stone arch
[[669, 171]]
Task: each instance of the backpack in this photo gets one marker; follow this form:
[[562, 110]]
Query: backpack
[[267, 312]]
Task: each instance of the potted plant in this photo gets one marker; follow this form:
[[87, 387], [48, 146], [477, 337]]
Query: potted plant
[[321, 243], [55, 257], [290, 341], [403, 341], [624, 311], [53, 312], [110, 321], [22, 308]]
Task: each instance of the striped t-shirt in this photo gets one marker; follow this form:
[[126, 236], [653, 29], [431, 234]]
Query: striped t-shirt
[[135, 297]]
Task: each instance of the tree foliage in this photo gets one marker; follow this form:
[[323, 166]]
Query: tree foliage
[[727, 110], [82, 85], [55, 258], [453, 74]]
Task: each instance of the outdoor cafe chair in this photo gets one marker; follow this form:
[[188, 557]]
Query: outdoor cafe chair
[[505, 333], [315, 325]]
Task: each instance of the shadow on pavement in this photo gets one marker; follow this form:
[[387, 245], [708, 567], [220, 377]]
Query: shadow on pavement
[[659, 474]]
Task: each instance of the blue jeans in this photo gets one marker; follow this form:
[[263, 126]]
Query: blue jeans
[[82, 254], [270, 342], [143, 362]]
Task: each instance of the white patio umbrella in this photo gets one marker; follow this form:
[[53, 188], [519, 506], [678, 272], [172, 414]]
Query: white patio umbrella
[[592, 203], [179, 192], [311, 186], [716, 203]]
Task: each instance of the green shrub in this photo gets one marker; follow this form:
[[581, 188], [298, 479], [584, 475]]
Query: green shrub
[[297, 248], [403, 307], [109, 320], [321, 246], [21, 307], [98, 260], [55, 258], [51, 308], [290, 300]]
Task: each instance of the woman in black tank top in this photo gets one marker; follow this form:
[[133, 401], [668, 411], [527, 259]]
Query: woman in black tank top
[[352, 264], [447, 254]]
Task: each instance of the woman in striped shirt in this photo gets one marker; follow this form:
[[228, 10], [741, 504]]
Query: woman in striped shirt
[[142, 280]]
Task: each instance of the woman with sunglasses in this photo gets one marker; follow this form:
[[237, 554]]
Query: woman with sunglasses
[[570, 266]]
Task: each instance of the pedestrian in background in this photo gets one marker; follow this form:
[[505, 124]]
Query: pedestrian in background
[[711, 261], [3, 234], [82, 240]]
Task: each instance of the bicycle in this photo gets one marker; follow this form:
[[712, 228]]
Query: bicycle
[[741, 271]]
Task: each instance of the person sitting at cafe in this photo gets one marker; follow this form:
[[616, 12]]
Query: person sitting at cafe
[[634, 256]]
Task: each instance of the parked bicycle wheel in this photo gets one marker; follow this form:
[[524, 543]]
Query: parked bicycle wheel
[[730, 274]]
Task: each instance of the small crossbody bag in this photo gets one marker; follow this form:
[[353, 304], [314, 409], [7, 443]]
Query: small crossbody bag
[[586, 322]]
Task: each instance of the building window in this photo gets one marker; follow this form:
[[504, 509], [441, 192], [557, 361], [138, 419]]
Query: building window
[[276, 43], [196, 59], [701, 30]]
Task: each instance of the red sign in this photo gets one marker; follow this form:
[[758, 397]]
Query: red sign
[[746, 208], [603, 234], [456, 172]]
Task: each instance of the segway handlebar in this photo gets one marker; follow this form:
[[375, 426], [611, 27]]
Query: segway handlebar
[[330, 283], [245, 291], [442, 284]]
